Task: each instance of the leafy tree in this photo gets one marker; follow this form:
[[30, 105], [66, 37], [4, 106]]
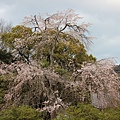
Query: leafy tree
[[57, 33], [19, 33], [66, 51], [71, 54], [56, 40], [8, 38]]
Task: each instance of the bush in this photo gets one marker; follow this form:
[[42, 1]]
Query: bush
[[111, 114], [20, 113], [4, 82], [88, 112]]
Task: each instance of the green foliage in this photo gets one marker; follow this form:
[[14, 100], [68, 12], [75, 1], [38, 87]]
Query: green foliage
[[45, 63], [112, 114], [60, 71], [16, 32], [45, 47], [5, 56], [91, 58], [60, 52], [20, 113], [71, 50], [4, 82], [88, 112], [22, 31], [22, 49]]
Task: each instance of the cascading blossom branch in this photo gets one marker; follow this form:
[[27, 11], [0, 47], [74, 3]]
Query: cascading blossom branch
[[67, 22], [102, 82]]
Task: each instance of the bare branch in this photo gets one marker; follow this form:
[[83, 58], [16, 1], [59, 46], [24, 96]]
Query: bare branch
[[37, 23]]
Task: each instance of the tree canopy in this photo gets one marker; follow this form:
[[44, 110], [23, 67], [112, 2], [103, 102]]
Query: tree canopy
[[57, 40]]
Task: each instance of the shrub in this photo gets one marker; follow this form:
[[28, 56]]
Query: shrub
[[20, 113], [111, 114], [88, 112]]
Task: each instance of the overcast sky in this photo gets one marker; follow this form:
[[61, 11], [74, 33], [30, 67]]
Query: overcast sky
[[104, 15]]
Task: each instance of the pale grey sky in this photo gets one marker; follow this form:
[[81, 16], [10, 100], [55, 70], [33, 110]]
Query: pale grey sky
[[104, 15]]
